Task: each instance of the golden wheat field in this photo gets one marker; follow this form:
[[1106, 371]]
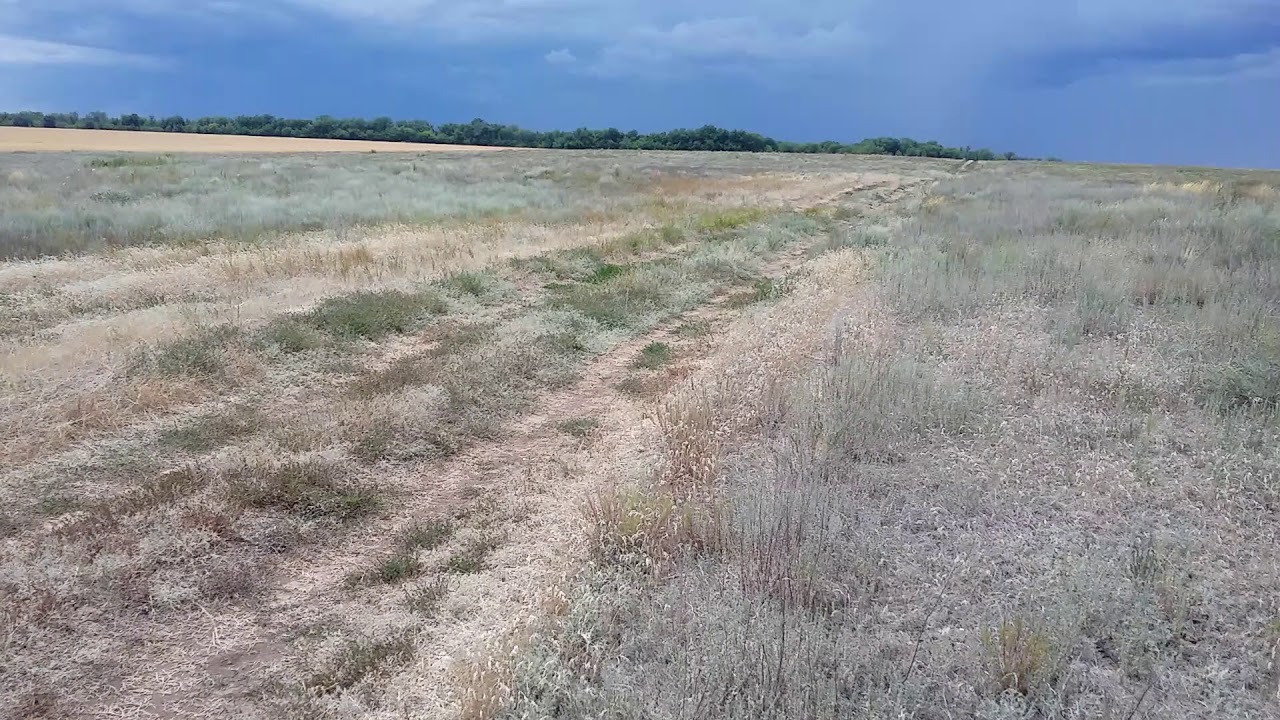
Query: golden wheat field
[[19, 139], [554, 434]]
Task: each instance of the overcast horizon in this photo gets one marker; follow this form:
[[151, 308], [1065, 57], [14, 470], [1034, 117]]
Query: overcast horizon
[[1177, 82]]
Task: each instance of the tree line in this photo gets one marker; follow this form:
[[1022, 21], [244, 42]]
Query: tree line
[[480, 132]]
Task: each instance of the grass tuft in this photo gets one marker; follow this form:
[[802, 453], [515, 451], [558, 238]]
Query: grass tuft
[[309, 488], [397, 568], [427, 535], [653, 356], [579, 427], [374, 315], [200, 354], [425, 599]]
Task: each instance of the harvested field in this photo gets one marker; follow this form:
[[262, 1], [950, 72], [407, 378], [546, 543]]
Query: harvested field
[[636, 435], [18, 139]]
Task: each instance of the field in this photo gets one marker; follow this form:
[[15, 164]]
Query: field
[[17, 139], [611, 434]]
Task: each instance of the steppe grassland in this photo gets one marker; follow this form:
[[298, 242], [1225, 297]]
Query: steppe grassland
[[1016, 456], [1005, 448], [212, 365]]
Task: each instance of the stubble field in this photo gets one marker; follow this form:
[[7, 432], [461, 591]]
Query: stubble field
[[556, 434], [19, 139]]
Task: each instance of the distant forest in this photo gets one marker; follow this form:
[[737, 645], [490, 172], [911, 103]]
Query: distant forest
[[479, 132]]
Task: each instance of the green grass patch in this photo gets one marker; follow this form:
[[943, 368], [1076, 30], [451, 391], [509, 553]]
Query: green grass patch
[[290, 334], [623, 303], [605, 273], [482, 286], [579, 427], [200, 354], [731, 219], [653, 356], [374, 315]]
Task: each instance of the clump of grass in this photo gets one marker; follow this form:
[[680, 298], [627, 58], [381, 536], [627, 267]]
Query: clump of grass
[[1019, 655], [579, 427], [653, 356], [291, 334], [645, 240], [427, 535], [112, 197], [605, 273], [472, 557], [396, 568], [215, 431], [374, 315], [570, 265], [626, 302], [309, 488], [360, 659], [200, 354], [469, 282], [121, 161], [731, 219], [425, 599], [639, 529]]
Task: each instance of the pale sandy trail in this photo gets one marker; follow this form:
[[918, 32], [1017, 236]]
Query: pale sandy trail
[[536, 477], [17, 139]]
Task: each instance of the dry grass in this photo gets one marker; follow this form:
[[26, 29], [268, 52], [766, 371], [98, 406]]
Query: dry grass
[[1027, 471], [247, 437]]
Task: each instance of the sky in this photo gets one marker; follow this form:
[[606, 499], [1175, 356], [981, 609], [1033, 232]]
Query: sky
[[1152, 81]]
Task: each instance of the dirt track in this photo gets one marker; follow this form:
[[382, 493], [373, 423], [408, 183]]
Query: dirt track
[[15, 139]]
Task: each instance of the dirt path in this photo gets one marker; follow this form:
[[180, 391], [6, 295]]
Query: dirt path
[[528, 487]]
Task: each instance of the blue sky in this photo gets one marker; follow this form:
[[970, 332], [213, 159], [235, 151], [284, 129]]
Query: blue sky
[[1166, 81]]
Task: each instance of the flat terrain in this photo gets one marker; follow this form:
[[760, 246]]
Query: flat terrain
[[16, 139], [633, 435]]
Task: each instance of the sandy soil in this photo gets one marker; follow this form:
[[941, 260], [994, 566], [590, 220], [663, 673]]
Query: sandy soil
[[15, 139]]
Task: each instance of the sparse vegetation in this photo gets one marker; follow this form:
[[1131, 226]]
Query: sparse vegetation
[[311, 489], [397, 568], [472, 556], [1003, 450], [215, 431], [427, 535], [357, 660], [579, 427]]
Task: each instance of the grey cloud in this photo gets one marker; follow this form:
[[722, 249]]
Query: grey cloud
[[17, 50], [560, 57]]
